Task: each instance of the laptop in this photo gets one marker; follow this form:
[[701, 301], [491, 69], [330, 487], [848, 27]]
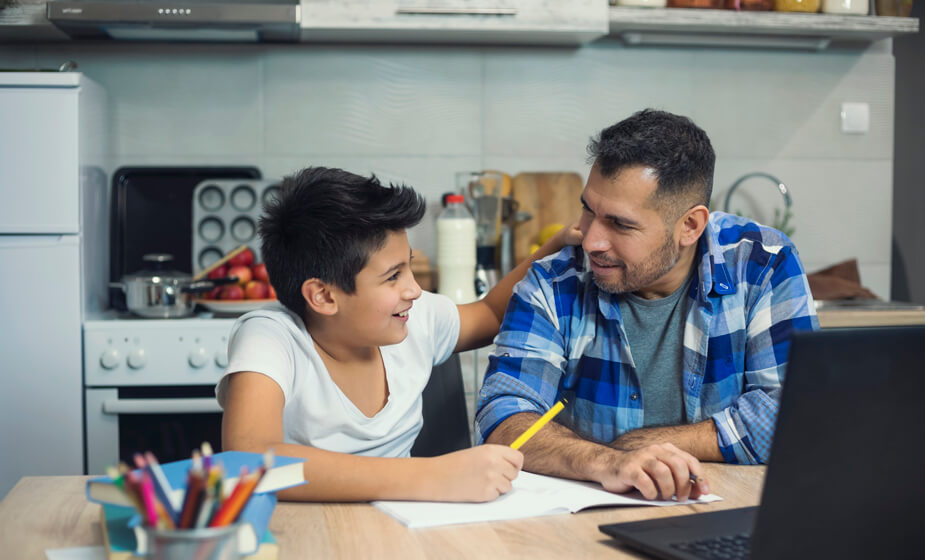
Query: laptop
[[846, 477]]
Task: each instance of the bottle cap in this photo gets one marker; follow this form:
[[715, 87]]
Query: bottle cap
[[457, 198]]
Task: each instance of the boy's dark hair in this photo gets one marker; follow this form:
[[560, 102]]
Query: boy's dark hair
[[677, 149], [325, 223]]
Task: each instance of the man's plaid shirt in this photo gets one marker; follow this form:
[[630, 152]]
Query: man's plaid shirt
[[563, 337]]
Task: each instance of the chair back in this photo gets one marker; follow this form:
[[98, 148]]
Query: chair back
[[446, 421]]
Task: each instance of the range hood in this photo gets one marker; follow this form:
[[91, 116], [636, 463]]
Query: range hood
[[182, 20]]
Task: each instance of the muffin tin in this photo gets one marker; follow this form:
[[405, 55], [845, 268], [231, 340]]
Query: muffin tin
[[225, 215]]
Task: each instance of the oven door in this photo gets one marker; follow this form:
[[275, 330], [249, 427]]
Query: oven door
[[168, 421]]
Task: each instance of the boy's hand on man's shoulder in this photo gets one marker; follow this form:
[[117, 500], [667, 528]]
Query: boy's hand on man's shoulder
[[477, 474]]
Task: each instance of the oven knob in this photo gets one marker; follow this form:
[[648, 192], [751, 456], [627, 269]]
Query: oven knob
[[221, 358], [110, 359], [137, 358], [198, 357]]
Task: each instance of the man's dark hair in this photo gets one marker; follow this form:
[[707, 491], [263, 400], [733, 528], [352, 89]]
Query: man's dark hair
[[325, 223], [677, 149]]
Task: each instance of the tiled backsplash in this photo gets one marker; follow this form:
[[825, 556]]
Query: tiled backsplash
[[419, 114]]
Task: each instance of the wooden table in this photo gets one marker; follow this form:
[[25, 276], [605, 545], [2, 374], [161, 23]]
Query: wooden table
[[52, 512]]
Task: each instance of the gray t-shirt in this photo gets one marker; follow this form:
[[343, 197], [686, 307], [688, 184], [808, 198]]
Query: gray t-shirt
[[655, 335]]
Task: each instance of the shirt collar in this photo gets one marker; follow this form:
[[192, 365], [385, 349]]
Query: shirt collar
[[715, 278]]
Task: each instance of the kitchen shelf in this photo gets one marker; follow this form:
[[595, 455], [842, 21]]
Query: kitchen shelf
[[729, 28]]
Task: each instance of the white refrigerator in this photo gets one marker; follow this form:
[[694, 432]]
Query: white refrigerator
[[53, 264]]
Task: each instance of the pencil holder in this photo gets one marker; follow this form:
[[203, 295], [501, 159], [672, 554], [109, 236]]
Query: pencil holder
[[216, 543]]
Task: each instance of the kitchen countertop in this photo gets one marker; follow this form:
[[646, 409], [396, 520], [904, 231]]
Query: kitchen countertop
[[868, 313]]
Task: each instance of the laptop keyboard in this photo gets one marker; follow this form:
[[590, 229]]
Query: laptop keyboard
[[726, 547]]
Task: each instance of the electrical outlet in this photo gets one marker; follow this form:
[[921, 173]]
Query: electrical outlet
[[855, 118]]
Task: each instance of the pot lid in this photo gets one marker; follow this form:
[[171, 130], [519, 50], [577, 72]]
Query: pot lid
[[157, 269]]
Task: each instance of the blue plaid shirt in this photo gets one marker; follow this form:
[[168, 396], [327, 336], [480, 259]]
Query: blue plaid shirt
[[563, 337]]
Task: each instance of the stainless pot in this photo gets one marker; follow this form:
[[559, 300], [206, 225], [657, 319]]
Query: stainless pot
[[160, 293]]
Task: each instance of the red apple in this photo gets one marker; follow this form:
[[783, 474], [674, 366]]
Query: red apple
[[260, 272], [214, 293], [256, 290], [219, 272], [244, 258], [242, 272], [272, 292], [232, 291]]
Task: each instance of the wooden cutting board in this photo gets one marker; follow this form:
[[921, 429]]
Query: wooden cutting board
[[550, 198]]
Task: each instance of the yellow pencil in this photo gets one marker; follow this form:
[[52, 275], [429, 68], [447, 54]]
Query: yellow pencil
[[550, 414]]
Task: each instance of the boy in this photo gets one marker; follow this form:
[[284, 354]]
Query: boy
[[336, 375]]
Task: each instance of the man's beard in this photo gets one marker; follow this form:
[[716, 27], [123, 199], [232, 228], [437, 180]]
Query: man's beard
[[639, 276]]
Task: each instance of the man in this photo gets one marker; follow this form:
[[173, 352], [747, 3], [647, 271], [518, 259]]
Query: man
[[667, 330]]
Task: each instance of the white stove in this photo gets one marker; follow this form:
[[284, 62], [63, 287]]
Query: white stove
[[149, 385], [121, 350]]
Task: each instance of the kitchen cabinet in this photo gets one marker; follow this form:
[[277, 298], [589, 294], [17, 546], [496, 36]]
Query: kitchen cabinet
[[728, 28], [52, 260], [569, 22], [536, 22], [25, 21]]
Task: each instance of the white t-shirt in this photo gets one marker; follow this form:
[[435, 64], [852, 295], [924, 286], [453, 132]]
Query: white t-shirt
[[273, 341]]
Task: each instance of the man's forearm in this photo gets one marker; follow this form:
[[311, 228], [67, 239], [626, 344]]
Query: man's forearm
[[700, 439], [554, 450]]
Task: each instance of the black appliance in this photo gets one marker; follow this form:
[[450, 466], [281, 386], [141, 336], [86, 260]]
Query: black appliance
[[152, 213]]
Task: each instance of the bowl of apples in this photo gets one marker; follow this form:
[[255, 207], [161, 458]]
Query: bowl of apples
[[251, 291]]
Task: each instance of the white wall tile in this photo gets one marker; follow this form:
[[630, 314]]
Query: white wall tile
[[549, 102], [19, 56], [173, 99], [373, 101], [512, 165], [787, 104]]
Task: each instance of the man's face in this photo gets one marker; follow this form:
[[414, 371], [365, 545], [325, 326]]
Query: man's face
[[377, 311], [629, 246]]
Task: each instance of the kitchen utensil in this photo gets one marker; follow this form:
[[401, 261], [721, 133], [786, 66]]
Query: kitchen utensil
[[485, 280], [162, 293], [225, 215], [151, 212], [483, 191], [205, 272], [548, 197], [510, 217]]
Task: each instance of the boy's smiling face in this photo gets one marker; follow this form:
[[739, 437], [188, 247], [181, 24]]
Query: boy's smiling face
[[378, 310]]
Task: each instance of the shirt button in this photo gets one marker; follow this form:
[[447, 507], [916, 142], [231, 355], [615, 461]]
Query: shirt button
[[634, 397]]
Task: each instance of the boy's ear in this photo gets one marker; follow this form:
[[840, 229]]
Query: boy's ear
[[318, 297]]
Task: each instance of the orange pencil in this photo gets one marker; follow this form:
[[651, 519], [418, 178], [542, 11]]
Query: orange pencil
[[230, 509]]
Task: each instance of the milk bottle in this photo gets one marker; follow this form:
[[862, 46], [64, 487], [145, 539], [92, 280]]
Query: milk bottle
[[456, 251]]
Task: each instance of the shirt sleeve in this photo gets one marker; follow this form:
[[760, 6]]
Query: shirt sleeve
[[529, 357], [784, 304], [443, 319], [259, 344]]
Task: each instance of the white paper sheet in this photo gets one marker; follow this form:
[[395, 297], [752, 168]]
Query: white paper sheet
[[532, 495]]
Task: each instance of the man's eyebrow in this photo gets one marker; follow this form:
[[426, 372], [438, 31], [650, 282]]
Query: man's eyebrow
[[613, 217]]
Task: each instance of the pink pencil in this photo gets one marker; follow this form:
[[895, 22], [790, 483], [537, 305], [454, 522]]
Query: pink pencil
[[147, 496]]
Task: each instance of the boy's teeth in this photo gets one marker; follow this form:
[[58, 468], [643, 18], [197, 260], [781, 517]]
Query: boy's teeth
[[402, 314]]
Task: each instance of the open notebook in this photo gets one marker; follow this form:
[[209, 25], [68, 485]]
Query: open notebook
[[532, 495]]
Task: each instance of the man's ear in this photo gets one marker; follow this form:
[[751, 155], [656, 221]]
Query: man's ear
[[319, 297], [691, 225]]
